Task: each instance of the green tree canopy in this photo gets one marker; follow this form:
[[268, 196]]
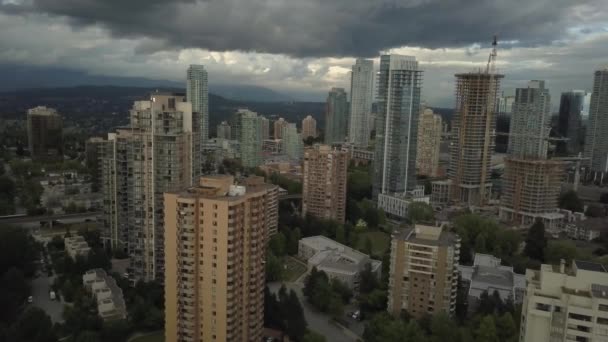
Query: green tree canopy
[[569, 200], [536, 241], [420, 212]]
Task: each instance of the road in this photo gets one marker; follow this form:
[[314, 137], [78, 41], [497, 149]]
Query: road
[[317, 321], [34, 221], [40, 292]]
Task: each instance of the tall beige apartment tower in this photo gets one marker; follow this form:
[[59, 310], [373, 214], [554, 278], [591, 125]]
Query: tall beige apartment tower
[[44, 133], [309, 127], [215, 243], [158, 152], [429, 141], [473, 133], [324, 188], [278, 128], [423, 276]]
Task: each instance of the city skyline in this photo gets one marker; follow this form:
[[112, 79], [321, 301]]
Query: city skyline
[[561, 53]]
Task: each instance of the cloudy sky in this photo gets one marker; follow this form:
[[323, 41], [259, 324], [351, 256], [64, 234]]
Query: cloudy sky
[[304, 47]]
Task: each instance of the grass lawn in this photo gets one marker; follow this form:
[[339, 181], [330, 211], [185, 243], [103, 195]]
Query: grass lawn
[[380, 241], [154, 337], [294, 270]]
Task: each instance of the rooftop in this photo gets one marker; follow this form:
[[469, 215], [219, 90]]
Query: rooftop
[[589, 266], [427, 235]]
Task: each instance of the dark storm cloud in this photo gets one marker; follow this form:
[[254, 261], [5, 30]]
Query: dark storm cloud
[[313, 28]]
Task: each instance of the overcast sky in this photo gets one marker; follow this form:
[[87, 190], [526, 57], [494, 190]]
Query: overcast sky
[[305, 47]]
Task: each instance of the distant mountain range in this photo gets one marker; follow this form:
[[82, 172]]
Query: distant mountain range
[[99, 109], [19, 77]]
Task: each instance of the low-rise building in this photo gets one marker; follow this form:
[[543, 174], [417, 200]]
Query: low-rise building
[[110, 300], [587, 229], [566, 304], [395, 205], [336, 260], [488, 275], [76, 246]]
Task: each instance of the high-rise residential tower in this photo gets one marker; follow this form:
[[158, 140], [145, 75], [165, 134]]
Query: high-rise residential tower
[[197, 93], [215, 243], [223, 131], [265, 127], [570, 123], [429, 141], [531, 184], [250, 138], [361, 99], [473, 133], [158, 152], [596, 137], [423, 276], [530, 121], [336, 116], [44, 133], [292, 143], [399, 88], [278, 128], [309, 127], [324, 186]]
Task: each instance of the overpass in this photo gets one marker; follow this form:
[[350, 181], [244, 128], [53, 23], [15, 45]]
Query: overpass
[[19, 220], [288, 197]]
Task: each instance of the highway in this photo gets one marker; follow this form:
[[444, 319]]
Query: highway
[[64, 218]]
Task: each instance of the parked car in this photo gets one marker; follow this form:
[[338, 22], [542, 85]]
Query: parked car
[[52, 295], [30, 299]]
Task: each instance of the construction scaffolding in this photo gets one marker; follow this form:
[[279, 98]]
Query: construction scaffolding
[[531, 189], [473, 133]]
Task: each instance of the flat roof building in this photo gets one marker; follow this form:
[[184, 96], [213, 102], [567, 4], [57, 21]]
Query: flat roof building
[[566, 303], [488, 275], [109, 296], [215, 244], [336, 260], [423, 275]]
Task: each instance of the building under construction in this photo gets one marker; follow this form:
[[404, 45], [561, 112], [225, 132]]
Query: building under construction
[[531, 190], [473, 132]]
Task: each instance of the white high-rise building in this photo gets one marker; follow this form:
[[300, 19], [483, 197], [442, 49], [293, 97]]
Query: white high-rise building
[[362, 96], [566, 303], [399, 88], [197, 93]]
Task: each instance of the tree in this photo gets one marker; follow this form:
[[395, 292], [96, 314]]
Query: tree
[[34, 325], [595, 211], [560, 249], [442, 327], [88, 336], [312, 336], [487, 330], [116, 330], [278, 244], [340, 234], [536, 241], [368, 247], [274, 268], [295, 320], [420, 212], [506, 327], [570, 201], [7, 195]]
